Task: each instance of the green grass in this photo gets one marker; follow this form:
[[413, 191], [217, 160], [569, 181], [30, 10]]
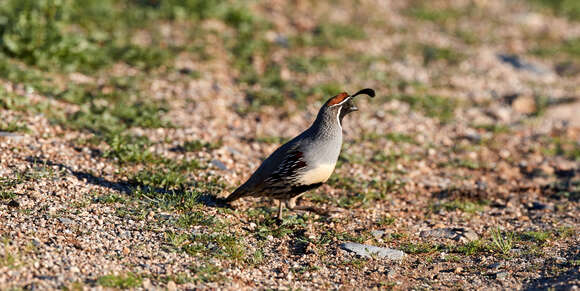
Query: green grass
[[501, 242], [434, 106], [569, 48], [40, 33], [125, 281], [110, 199], [419, 248], [493, 128], [568, 8], [218, 245], [471, 248], [129, 149], [193, 218], [460, 204], [395, 137], [208, 273], [433, 53], [539, 237], [462, 163], [198, 145], [558, 146], [329, 34], [385, 220], [13, 126], [361, 192], [420, 10]]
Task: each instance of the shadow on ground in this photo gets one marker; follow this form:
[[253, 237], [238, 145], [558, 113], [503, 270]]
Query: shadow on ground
[[558, 276], [127, 188]]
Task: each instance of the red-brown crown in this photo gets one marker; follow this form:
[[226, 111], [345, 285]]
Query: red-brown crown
[[337, 99]]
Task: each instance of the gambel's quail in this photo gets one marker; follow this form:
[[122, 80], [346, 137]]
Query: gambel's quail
[[306, 161]]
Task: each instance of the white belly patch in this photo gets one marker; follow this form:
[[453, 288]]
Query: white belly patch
[[317, 175]]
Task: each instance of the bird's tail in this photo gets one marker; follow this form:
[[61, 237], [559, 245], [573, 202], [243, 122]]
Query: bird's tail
[[237, 194]]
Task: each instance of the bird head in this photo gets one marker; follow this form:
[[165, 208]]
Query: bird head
[[342, 104]]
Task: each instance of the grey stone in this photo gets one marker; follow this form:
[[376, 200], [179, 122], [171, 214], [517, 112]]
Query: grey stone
[[516, 62], [368, 251], [11, 135], [501, 275], [65, 220], [219, 164]]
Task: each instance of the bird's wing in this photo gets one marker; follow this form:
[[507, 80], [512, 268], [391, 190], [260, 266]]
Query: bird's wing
[[286, 174]]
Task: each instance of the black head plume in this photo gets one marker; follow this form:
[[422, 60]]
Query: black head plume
[[367, 91]]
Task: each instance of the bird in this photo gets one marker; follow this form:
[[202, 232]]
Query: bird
[[306, 161]]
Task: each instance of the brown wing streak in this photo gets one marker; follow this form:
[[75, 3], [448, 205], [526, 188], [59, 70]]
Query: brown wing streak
[[288, 171]]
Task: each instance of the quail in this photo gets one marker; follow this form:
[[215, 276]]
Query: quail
[[305, 162]]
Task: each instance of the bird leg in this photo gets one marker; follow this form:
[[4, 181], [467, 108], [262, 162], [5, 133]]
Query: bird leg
[[280, 207]]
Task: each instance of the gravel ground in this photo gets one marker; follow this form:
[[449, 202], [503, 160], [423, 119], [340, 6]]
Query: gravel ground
[[468, 161]]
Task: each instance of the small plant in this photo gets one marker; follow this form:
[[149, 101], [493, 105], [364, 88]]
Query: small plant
[[502, 243], [208, 273], [536, 236], [433, 106], [386, 220], [434, 53], [419, 248], [124, 281], [470, 248], [197, 145], [13, 126], [461, 204]]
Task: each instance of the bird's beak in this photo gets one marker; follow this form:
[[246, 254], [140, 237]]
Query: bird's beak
[[349, 106]]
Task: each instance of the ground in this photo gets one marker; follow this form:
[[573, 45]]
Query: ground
[[121, 122]]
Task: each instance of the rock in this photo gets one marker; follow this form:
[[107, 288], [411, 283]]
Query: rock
[[519, 64], [219, 164], [459, 234], [524, 104], [368, 251], [65, 220], [233, 151], [11, 135], [171, 286], [501, 275], [473, 136], [147, 285], [501, 113], [377, 234]]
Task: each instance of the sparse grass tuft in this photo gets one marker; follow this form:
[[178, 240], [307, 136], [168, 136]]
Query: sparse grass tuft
[[198, 145], [539, 237], [471, 248], [461, 204], [419, 248], [13, 126], [447, 54], [438, 107], [568, 8], [125, 281], [501, 242]]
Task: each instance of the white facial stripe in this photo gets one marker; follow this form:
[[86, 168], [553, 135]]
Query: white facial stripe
[[338, 118]]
